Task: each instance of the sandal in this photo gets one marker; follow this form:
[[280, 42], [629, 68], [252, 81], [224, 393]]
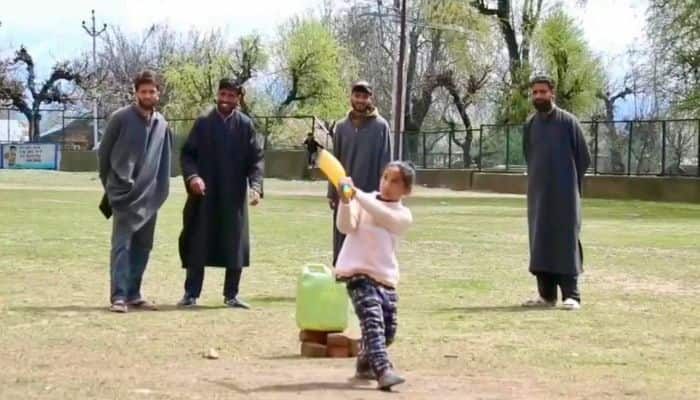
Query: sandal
[[118, 306]]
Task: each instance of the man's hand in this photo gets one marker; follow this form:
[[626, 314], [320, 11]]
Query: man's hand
[[254, 197], [197, 186]]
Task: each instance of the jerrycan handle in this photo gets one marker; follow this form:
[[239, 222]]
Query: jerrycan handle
[[317, 269]]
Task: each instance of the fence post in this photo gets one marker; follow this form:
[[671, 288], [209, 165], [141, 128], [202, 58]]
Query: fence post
[[63, 128], [698, 165], [425, 151], [663, 148], [507, 148], [9, 139], [449, 148], [267, 133], [481, 145], [629, 150], [595, 148]]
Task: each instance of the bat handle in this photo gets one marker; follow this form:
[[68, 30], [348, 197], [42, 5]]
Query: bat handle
[[347, 190]]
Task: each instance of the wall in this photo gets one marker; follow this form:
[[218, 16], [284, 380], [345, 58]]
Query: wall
[[78, 161], [651, 188], [292, 165], [456, 179], [279, 164]]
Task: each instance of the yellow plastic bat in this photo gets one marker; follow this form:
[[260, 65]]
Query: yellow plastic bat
[[334, 171]]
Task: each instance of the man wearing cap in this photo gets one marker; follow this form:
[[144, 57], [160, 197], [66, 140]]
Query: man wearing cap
[[222, 164], [557, 158], [362, 143]]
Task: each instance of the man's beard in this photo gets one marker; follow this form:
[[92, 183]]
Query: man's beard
[[361, 108], [542, 106], [149, 106], [225, 107]]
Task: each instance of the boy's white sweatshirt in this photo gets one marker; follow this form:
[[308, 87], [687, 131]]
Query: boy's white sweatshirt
[[372, 227]]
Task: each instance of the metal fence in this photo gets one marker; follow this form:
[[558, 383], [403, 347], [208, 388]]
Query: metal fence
[[75, 132], [653, 147], [274, 132], [657, 147]]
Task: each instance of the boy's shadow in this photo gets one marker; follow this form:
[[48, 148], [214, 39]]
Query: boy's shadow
[[350, 384]]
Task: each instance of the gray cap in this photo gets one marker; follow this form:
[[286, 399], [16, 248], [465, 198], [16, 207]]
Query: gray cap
[[362, 86], [543, 78]]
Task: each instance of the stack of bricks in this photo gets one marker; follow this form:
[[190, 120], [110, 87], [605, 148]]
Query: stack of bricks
[[327, 344]]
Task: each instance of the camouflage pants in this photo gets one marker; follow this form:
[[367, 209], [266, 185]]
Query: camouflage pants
[[375, 306]]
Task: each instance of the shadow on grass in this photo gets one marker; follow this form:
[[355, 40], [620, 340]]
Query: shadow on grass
[[493, 309], [105, 309], [272, 299], [350, 384]]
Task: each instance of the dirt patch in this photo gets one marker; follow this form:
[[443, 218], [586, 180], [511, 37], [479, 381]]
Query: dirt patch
[[648, 285]]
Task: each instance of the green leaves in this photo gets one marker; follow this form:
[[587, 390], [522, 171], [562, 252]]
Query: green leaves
[[673, 27], [314, 69], [193, 75], [564, 54]]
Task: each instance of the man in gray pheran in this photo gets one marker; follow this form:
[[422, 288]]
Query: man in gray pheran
[[362, 143], [134, 167], [557, 158]]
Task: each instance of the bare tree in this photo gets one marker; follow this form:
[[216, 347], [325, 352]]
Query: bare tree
[[615, 140], [681, 143], [462, 96], [518, 50], [122, 56], [28, 95]]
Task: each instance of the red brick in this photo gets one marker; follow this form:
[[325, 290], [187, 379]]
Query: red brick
[[337, 340], [354, 347], [313, 337], [313, 350], [339, 352]]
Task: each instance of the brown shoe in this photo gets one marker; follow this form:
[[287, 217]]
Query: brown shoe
[[118, 306], [142, 304]]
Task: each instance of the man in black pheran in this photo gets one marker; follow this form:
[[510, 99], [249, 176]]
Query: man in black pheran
[[557, 158], [222, 163]]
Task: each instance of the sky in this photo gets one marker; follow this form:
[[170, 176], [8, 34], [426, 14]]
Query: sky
[[52, 30]]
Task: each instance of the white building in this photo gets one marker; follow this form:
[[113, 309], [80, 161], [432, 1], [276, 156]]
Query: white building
[[12, 130]]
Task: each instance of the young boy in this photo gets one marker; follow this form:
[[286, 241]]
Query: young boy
[[367, 262], [312, 147]]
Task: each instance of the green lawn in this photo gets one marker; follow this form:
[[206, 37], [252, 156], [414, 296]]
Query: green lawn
[[461, 333]]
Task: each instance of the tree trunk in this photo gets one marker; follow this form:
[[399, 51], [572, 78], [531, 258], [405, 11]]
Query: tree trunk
[[411, 125], [419, 105], [467, 150], [30, 122], [616, 159], [35, 134], [35, 122], [447, 81]]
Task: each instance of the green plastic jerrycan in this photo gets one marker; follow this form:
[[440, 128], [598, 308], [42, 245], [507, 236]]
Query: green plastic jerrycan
[[322, 303]]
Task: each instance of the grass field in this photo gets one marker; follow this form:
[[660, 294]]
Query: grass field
[[461, 334]]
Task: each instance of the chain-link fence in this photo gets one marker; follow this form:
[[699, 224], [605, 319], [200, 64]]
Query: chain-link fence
[[76, 132], [656, 147]]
